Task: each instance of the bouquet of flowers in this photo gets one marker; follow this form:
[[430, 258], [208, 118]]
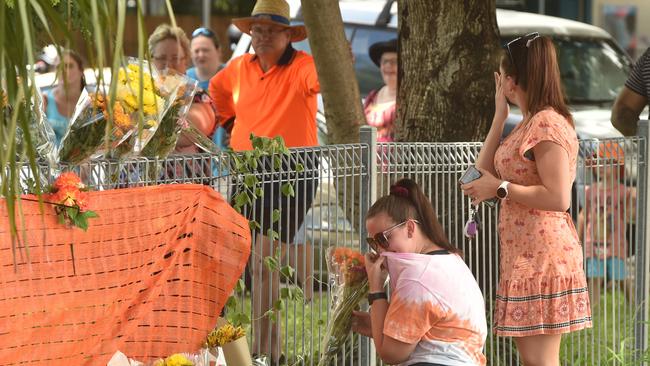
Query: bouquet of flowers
[[154, 104], [179, 90], [40, 131], [133, 99], [350, 286], [177, 359], [233, 342], [71, 199]]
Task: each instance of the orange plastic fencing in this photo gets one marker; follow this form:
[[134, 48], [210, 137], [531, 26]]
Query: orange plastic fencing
[[148, 278]]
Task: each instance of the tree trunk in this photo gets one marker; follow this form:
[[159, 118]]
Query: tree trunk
[[448, 53], [341, 98], [333, 59]]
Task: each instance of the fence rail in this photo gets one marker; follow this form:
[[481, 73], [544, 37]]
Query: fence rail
[[345, 179]]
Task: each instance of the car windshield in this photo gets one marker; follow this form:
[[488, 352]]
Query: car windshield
[[592, 70]]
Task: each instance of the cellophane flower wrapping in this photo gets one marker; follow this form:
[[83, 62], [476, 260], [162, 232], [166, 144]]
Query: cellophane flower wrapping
[[88, 126], [138, 83], [178, 91], [349, 284], [39, 129]]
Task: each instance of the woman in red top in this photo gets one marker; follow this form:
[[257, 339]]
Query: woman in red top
[[379, 105]]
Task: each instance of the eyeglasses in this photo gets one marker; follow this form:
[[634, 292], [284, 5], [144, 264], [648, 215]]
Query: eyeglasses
[[268, 32], [202, 32], [529, 38], [380, 240]]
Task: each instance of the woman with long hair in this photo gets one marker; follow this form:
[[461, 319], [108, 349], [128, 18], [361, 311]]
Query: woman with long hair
[[436, 312], [542, 291], [59, 102]]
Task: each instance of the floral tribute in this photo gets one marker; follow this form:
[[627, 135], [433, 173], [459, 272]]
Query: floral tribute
[[136, 97], [177, 359], [70, 196], [350, 286], [179, 90], [225, 334]]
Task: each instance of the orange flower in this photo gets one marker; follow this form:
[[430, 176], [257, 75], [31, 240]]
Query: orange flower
[[350, 263], [66, 197], [67, 179]]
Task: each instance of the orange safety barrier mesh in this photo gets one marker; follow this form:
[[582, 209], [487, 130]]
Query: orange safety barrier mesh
[[152, 274]]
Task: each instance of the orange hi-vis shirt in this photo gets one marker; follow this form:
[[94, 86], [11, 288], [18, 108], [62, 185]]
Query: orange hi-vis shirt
[[279, 102]]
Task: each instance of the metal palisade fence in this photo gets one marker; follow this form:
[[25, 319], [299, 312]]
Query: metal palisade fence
[[333, 186]]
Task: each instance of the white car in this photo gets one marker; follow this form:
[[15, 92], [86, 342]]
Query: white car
[[593, 66]]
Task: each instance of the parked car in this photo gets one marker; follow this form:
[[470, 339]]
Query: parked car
[[593, 66]]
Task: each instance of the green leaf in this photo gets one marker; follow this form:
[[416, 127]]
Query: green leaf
[[61, 217], [242, 199], [287, 190], [300, 168], [254, 225], [271, 263], [242, 319], [231, 303], [275, 216], [298, 294], [81, 222], [279, 304], [259, 192], [285, 293], [271, 315], [71, 212], [90, 214], [250, 181], [272, 234], [240, 287], [287, 272]]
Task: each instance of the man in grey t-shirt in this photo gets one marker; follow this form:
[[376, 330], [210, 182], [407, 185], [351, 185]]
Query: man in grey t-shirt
[[634, 96]]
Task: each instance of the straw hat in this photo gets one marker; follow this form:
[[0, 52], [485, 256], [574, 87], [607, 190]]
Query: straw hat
[[274, 12]]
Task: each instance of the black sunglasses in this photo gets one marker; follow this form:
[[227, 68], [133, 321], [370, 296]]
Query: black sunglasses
[[380, 240], [530, 37], [202, 32]]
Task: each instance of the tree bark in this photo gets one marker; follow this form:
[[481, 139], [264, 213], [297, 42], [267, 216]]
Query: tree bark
[[333, 58], [447, 56]]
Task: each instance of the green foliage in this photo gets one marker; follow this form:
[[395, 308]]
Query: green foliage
[[246, 164]]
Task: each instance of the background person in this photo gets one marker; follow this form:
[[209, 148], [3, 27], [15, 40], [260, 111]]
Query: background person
[[272, 93], [542, 291], [634, 96], [60, 102], [169, 49], [603, 222], [206, 57], [379, 106], [436, 314]]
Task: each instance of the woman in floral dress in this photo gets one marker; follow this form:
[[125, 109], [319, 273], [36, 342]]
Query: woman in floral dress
[[542, 290]]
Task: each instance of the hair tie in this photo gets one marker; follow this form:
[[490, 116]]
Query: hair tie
[[399, 191]]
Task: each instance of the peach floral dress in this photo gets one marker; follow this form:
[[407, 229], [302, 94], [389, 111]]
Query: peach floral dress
[[542, 286]]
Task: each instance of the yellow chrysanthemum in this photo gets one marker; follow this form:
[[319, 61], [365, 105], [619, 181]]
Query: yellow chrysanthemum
[[178, 360]]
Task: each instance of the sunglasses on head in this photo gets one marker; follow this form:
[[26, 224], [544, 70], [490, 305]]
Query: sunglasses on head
[[202, 32], [529, 38], [380, 240]]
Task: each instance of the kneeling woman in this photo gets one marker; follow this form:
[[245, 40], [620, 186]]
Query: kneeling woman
[[436, 313]]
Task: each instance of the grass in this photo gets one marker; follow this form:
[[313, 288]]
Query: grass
[[303, 324], [609, 342]]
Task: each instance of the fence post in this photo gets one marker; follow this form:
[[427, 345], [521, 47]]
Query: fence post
[[642, 224], [368, 195]]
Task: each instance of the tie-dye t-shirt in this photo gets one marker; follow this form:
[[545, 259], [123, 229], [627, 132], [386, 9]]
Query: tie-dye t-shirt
[[436, 302]]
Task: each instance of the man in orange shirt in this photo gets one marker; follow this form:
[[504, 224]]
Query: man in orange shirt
[[272, 93]]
